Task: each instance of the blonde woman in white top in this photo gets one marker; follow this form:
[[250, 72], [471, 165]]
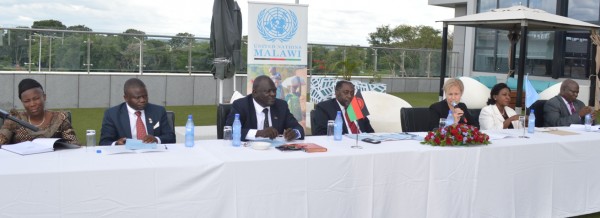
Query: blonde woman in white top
[[497, 114]]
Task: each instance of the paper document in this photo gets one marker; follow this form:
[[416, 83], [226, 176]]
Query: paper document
[[386, 136], [108, 150], [39, 145]]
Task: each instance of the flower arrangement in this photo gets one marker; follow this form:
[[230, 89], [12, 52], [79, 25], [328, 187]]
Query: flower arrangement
[[460, 134]]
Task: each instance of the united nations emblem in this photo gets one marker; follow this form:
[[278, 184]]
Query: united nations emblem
[[277, 24]]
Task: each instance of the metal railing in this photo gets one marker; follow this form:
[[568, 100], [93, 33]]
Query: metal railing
[[43, 50]]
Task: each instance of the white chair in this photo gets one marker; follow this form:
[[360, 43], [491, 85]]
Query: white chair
[[384, 111], [550, 92], [476, 94], [236, 95]]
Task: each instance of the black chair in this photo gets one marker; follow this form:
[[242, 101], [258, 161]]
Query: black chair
[[222, 113], [538, 108], [171, 119], [475, 113], [415, 119], [312, 122]]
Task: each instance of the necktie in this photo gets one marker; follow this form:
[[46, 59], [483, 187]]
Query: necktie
[[352, 125], [139, 126], [572, 107], [266, 122]]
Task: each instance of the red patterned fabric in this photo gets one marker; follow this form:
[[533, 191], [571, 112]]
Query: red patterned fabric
[[139, 126]]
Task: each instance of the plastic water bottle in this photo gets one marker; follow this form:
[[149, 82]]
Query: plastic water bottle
[[237, 131], [449, 118], [189, 132], [337, 127], [531, 123], [588, 122]]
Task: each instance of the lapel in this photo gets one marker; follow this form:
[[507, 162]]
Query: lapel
[[252, 113], [497, 115], [150, 122], [123, 116], [275, 119]]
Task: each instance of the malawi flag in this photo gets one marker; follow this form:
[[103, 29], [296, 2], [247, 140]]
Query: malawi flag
[[357, 109]]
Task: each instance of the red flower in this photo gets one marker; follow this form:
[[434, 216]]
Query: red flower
[[461, 134]]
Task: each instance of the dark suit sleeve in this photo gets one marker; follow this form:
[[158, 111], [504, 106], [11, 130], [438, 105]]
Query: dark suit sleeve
[[291, 122], [237, 108], [434, 116], [108, 133], [365, 125], [321, 118], [166, 133], [471, 120]]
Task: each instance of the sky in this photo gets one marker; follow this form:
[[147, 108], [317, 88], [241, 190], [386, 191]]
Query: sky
[[339, 22]]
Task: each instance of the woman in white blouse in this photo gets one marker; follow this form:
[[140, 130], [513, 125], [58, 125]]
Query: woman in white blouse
[[498, 115]]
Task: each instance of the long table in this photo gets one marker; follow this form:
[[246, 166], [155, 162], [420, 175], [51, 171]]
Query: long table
[[544, 176]]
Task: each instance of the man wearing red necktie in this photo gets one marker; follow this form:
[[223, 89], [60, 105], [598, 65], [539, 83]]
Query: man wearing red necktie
[[327, 110], [136, 118], [565, 109]]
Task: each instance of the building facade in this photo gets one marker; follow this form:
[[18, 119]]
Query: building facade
[[551, 54]]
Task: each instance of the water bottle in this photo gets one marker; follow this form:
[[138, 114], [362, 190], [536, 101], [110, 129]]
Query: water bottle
[[237, 131], [337, 127], [449, 118], [531, 122], [189, 132], [588, 122]]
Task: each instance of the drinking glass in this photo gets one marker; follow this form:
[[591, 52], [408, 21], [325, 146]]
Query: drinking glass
[[330, 124], [442, 123], [90, 135], [522, 123], [227, 133]]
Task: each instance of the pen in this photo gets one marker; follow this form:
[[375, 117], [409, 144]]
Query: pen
[[166, 147]]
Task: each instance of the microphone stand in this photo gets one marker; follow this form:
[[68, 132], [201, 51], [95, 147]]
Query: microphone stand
[[6, 115]]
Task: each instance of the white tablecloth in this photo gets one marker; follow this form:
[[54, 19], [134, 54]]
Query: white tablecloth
[[544, 176]]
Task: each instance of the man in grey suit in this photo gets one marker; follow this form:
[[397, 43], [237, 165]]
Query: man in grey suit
[[564, 109]]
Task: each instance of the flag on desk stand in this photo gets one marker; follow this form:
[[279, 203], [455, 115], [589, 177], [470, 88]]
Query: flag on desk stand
[[531, 96], [357, 110]]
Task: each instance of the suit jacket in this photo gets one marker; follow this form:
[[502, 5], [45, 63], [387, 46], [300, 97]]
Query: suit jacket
[[556, 112], [491, 118], [440, 110], [281, 117], [327, 110], [115, 124]]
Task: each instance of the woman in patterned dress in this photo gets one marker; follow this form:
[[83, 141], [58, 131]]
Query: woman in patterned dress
[[51, 124]]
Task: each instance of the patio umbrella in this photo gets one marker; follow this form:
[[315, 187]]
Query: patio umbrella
[[518, 19], [225, 40]]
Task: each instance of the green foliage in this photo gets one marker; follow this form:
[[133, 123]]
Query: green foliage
[[48, 24], [406, 36], [80, 28]]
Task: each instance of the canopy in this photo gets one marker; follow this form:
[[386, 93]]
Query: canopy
[[515, 19]]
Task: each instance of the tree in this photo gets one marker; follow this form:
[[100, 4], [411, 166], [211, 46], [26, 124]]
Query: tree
[[406, 36], [79, 28], [48, 24], [182, 40]]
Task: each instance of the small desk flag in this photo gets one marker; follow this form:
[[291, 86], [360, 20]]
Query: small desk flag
[[531, 96], [357, 108]]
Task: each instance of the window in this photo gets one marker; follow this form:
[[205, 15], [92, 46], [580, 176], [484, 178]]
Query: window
[[586, 10]]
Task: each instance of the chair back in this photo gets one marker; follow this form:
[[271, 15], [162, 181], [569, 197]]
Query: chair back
[[538, 108], [171, 119], [475, 113], [312, 120], [222, 113], [415, 119]]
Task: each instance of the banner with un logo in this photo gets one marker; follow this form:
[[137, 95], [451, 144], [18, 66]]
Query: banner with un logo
[[277, 48], [277, 34]]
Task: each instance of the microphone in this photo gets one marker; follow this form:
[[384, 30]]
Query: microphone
[[6, 115]]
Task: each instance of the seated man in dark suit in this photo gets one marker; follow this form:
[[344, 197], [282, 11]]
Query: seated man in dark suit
[[564, 109], [136, 118], [327, 110], [261, 104]]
